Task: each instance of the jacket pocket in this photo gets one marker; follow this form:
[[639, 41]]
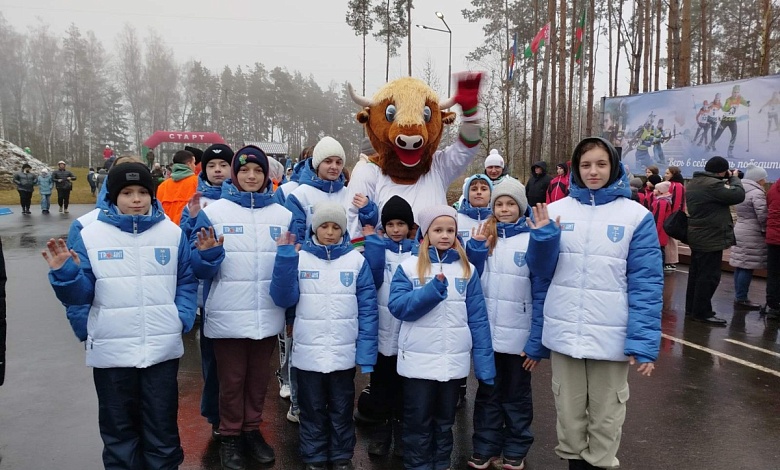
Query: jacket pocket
[[622, 395]]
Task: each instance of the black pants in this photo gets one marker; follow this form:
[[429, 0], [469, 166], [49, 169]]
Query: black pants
[[429, 414], [387, 389], [703, 280], [503, 412], [137, 411], [63, 197], [209, 399], [732, 127], [326, 401], [25, 199], [773, 276]]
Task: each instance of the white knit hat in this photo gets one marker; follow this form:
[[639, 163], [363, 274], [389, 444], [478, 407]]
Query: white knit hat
[[426, 216], [326, 147], [512, 188], [329, 212], [494, 159], [755, 173]]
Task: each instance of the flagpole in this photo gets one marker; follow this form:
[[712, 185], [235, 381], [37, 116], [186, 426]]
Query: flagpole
[[582, 80]]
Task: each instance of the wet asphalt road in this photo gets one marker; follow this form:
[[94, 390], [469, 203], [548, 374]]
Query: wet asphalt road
[[713, 401]]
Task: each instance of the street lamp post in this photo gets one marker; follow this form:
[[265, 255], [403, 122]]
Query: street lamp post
[[440, 15]]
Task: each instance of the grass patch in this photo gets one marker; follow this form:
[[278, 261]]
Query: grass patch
[[80, 194]]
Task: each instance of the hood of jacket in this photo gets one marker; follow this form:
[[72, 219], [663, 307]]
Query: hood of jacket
[[179, 171], [207, 189], [309, 176], [617, 185], [327, 252], [465, 208], [539, 164], [132, 223], [297, 169], [254, 200]]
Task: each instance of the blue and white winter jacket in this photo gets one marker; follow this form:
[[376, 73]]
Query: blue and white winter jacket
[[514, 294], [237, 274], [606, 295], [335, 324], [311, 190], [285, 189], [443, 323], [135, 273], [45, 183], [384, 255]]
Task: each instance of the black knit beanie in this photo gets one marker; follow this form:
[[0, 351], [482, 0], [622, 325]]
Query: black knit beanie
[[128, 174], [217, 152], [397, 208]]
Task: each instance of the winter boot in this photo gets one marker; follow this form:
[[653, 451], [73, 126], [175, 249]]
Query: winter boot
[[257, 448], [380, 443], [231, 453], [398, 440]]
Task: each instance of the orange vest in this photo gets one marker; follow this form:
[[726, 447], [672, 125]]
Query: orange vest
[[174, 196]]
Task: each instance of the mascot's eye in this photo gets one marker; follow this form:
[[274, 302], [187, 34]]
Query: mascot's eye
[[427, 114], [390, 113]]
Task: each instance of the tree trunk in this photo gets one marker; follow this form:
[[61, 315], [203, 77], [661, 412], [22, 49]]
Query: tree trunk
[[553, 64], [657, 65], [648, 47], [671, 49], [591, 64], [389, 37], [561, 135], [685, 46], [609, 44], [617, 55], [766, 23], [409, 33], [535, 132], [636, 53], [575, 18], [705, 61]]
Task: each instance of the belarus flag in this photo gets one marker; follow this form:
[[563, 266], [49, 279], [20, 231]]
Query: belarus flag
[[539, 40]]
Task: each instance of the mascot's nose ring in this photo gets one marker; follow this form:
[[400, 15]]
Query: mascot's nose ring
[[409, 142]]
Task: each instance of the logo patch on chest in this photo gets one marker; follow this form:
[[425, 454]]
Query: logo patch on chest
[[460, 285], [107, 255], [162, 255], [417, 284], [275, 232], [464, 233], [347, 278], [615, 232], [520, 258], [310, 275], [233, 229], [567, 227]]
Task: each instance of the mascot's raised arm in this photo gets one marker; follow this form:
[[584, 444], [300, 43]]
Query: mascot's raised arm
[[404, 121]]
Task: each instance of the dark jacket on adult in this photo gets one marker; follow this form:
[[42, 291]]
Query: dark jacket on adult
[[2, 315], [708, 197], [536, 188], [61, 180], [25, 181], [773, 214]]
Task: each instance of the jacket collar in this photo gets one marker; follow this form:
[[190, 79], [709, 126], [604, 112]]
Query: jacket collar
[[448, 257], [206, 189], [327, 252], [507, 230], [245, 199], [404, 246], [620, 188], [132, 223], [476, 213], [309, 177]]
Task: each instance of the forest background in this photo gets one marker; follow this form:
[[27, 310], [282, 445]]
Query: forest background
[[65, 95]]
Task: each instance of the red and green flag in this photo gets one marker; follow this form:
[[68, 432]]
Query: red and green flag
[[539, 40], [578, 34]]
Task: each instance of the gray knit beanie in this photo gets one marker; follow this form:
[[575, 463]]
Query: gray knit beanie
[[512, 188], [329, 212]]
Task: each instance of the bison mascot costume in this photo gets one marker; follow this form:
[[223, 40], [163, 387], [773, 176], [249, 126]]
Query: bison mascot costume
[[404, 121]]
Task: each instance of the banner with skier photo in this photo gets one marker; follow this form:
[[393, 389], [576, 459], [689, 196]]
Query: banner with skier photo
[[684, 127]]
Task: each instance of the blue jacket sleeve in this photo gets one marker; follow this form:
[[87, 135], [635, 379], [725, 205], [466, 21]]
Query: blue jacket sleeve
[[284, 279], [368, 215], [543, 250], [279, 196], [186, 299], [298, 223], [74, 286], [482, 344], [368, 320], [408, 304], [645, 293], [73, 232], [477, 253], [187, 223], [534, 347], [374, 252], [206, 263]]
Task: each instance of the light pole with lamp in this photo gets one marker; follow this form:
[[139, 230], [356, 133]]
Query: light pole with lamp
[[440, 15]]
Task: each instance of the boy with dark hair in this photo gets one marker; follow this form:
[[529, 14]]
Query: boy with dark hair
[[131, 252], [175, 192]]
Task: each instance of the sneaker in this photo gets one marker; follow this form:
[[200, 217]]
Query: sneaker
[[669, 268], [284, 391], [60, 208], [257, 448], [343, 465], [478, 461], [293, 416], [316, 466], [66, 211], [513, 464], [215, 434]]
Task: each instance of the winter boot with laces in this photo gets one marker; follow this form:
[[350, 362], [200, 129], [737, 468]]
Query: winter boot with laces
[[257, 448], [231, 453]]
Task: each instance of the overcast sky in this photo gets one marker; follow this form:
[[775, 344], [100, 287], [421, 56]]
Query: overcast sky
[[306, 35]]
